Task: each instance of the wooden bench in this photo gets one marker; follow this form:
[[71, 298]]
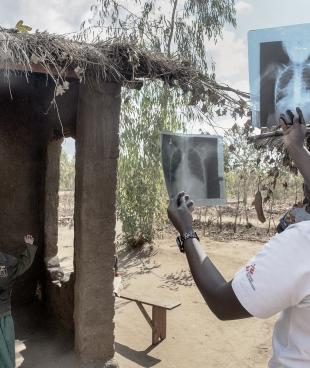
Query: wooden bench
[[158, 322]]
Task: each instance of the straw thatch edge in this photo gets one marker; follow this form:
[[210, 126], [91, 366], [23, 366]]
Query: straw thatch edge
[[111, 60]]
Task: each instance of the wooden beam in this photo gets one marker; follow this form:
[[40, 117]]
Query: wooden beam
[[145, 299], [145, 314], [38, 68], [159, 318], [276, 133]]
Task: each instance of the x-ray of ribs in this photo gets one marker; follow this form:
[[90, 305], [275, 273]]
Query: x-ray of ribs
[[191, 164], [292, 88], [186, 171], [175, 161], [195, 165]]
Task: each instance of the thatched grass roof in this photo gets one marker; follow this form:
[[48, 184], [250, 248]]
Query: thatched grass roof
[[61, 58]]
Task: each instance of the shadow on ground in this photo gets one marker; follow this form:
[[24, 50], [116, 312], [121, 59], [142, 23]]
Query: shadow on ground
[[40, 342], [174, 280], [134, 262], [139, 357]]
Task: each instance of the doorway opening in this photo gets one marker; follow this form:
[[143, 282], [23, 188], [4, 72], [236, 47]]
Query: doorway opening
[[66, 206]]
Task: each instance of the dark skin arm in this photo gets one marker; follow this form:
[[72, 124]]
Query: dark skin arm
[[216, 291]]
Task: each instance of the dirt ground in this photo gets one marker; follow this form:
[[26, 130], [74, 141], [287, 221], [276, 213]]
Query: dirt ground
[[195, 338]]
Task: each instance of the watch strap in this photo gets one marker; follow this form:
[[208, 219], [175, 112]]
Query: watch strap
[[188, 235]]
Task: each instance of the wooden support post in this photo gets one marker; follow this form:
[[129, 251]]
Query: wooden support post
[[159, 319], [145, 314]]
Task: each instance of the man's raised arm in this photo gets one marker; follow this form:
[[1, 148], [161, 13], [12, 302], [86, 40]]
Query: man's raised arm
[[216, 291], [294, 130]]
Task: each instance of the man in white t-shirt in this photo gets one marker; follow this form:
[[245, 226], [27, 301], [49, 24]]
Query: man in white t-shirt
[[276, 280]]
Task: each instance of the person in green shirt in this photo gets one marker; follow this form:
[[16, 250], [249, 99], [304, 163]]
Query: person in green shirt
[[10, 268]]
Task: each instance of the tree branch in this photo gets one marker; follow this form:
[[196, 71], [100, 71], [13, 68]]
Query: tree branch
[[172, 27]]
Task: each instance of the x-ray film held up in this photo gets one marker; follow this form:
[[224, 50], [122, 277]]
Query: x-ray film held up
[[194, 164], [279, 66]]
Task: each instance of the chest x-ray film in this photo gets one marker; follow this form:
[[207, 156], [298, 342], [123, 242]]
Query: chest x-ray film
[[279, 66], [194, 164]]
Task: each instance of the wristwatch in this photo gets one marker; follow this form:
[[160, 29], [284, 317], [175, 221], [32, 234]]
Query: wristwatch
[[181, 239]]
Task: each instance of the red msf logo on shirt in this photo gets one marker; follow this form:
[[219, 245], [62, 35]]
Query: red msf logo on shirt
[[250, 270]]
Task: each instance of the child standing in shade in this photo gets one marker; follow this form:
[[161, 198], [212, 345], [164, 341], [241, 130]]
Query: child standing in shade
[[10, 268]]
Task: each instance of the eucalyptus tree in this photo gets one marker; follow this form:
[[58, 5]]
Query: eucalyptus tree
[[180, 29]]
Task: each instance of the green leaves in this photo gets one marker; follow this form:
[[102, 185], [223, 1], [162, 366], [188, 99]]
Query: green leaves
[[142, 197], [180, 29], [67, 172], [22, 28]]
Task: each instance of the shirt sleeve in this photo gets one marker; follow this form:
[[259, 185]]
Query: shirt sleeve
[[24, 261], [278, 277]]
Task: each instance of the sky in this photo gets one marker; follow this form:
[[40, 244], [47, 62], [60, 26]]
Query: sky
[[229, 53]]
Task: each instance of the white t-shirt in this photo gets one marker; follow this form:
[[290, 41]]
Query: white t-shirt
[[276, 280]]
